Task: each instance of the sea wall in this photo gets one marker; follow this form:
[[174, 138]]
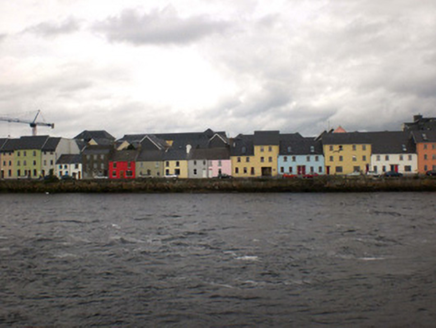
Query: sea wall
[[156, 185]]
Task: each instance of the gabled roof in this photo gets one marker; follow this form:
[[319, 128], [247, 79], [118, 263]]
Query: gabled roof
[[175, 155], [391, 142], [97, 149], [10, 145], [3, 141], [94, 134], [70, 159], [424, 136], [31, 142], [266, 138]]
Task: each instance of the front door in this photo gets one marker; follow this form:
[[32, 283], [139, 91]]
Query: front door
[[266, 171], [301, 169]]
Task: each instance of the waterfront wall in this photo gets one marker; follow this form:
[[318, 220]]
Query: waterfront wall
[[319, 184]]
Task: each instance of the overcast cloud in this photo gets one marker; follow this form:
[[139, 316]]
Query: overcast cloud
[[157, 66]]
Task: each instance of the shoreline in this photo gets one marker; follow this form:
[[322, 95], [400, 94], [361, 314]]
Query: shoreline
[[162, 185]]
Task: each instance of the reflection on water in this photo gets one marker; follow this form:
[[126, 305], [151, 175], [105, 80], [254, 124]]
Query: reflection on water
[[203, 260]]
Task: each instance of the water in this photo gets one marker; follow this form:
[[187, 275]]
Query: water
[[215, 260]]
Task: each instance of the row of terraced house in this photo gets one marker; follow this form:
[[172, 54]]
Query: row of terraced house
[[209, 154]]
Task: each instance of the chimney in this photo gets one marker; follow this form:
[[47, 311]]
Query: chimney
[[417, 118]]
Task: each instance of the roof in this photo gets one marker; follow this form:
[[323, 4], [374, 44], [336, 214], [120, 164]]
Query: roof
[[70, 159], [51, 144], [424, 136], [266, 138], [124, 156], [3, 141], [210, 154], [420, 123], [391, 142], [346, 138], [150, 156], [97, 149], [94, 134], [295, 144], [175, 155], [10, 145], [242, 145], [31, 142]]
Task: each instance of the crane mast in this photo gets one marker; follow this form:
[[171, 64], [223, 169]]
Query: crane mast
[[33, 124]]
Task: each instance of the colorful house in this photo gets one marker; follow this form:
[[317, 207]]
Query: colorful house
[[425, 141], [345, 153], [300, 155], [53, 149], [393, 151], [69, 165], [28, 156], [122, 164], [255, 155]]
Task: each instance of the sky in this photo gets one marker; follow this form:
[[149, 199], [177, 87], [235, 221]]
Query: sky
[[157, 66]]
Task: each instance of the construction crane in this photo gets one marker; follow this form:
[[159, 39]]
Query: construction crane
[[33, 124]]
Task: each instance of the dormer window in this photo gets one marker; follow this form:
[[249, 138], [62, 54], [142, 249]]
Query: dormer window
[[312, 149], [289, 149], [404, 147], [244, 150]]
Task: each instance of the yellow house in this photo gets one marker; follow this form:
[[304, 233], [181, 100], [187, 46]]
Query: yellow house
[[346, 153], [255, 155], [176, 163]]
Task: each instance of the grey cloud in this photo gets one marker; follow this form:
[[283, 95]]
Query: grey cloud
[[158, 27], [52, 29]]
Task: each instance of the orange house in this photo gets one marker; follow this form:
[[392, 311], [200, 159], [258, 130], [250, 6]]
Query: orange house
[[426, 149]]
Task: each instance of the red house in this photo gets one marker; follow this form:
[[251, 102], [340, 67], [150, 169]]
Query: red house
[[122, 164]]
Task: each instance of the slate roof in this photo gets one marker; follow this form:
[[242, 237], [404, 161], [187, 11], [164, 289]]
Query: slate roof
[[31, 142], [420, 123], [346, 138], [94, 134], [150, 156], [70, 159], [210, 154], [300, 145], [124, 156], [97, 149], [3, 141], [10, 145], [391, 142], [242, 145], [266, 138], [175, 155], [424, 136], [51, 144]]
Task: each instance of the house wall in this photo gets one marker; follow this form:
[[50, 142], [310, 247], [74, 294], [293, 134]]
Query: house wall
[[263, 163], [48, 162], [345, 159], [28, 163], [74, 170], [149, 169], [8, 166], [172, 167], [216, 166], [426, 156], [243, 166], [301, 164], [198, 169], [95, 165], [403, 163], [122, 170]]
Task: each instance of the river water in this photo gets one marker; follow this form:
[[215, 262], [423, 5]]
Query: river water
[[218, 260]]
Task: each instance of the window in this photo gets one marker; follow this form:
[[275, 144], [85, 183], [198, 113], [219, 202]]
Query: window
[[363, 147], [195, 171], [401, 157], [425, 157], [236, 170], [425, 168], [195, 162], [25, 153], [340, 147], [316, 158], [261, 149], [289, 149], [34, 153], [319, 169], [129, 173], [312, 149], [262, 159], [238, 159], [290, 169], [285, 159], [384, 168], [312, 169], [331, 158], [354, 158], [407, 168], [331, 147], [114, 165], [167, 172], [294, 158], [24, 163], [354, 147], [129, 165], [356, 168], [177, 171], [18, 154], [269, 148], [410, 157], [270, 159], [167, 164], [375, 168], [425, 147], [244, 150], [378, 157], [338, 169], [308, 158], [282, 169], [252, 171], [387, 157], [247, 160], [177, 163], [51, 162], [45, 162], [60, 167], [220, 163], [364, 158], [114, 174], [76, 166], [245, 170], [341, 158]]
